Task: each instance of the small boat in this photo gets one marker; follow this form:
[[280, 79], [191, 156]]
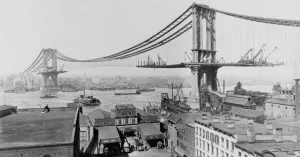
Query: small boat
[[48, 96], [146, 90], [87, 100], [136, 93]]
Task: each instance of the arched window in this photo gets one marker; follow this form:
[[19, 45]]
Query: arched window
[[216, 139]]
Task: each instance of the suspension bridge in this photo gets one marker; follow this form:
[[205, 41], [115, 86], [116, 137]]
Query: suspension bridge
[[190, 41]]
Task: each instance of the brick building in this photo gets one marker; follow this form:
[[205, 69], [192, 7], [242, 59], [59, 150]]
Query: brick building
[[181, 130], [37, 134]]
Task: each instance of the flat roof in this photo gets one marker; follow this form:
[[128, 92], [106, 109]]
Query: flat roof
[[125, 107], [281, 102], [149, 131], [99, 114], [108, 134], [241, 126], [274, 147], [32, 127]]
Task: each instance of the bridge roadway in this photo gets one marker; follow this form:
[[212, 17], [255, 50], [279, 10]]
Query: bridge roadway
[[197, 64]]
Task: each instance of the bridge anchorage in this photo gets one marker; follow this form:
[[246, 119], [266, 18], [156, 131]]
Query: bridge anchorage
[[50, 71]]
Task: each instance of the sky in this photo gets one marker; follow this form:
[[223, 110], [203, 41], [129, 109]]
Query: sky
[[92, 28]]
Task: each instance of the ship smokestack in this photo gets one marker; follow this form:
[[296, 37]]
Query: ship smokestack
[[297, 99]]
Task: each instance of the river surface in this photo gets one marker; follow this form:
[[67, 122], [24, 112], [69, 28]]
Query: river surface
[[107, 98]]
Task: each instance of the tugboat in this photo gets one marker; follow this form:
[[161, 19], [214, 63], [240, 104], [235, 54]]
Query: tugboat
[[48, 96], [87, 100]]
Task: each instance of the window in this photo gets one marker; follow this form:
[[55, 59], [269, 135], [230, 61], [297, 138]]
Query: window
[[196, 141], [133, 120], [207, 135], [207, 147], [83, 136], [105, 123], [203, 133], [126, 121], [211, 137], [203, 145], [123, 113], [227, 144], [196, 130], [232, 146], [129, 113], [240, 154], [119, 121], [227, 155], [199, 131], [222, 142], [216, 139], [200, 143], [217, 152], [212, 149]]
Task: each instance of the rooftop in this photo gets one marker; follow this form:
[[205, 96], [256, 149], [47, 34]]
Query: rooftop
[[125, 107], [31, 127], [241, 126], [186, 117], [281, 102], [99, 114], [276, 148], [84, 120], [4, 107], [245, 112], [238, 99]]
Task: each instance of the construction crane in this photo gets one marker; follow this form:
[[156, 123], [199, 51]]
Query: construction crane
[[242, 59], [270, 54], [259, 52]]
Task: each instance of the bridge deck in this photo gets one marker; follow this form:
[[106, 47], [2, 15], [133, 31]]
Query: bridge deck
[[193, 64]]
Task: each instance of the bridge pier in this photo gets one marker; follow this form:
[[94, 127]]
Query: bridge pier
[[50, 71], [204, 75]]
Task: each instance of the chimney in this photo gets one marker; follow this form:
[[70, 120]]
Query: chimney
[[231, 125], [251, 135], [297, 99], [216, 120], [269, 126], [278, 135]]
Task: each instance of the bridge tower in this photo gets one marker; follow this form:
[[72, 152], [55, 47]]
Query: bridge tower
[[50, 71], [204, 51]]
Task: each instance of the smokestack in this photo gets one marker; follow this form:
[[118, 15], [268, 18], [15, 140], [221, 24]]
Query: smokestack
[[297, 99]]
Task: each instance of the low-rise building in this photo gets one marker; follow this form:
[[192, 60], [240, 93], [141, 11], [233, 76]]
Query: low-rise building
[[241, 101], [31, 133], [182, 134], [218, 136], [256, 116], [280, 109]]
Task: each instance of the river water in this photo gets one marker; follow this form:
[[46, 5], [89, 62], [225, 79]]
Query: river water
[[107, 98]]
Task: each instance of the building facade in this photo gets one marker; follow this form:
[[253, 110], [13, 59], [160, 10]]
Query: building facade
[[240, 101], [280, 109]]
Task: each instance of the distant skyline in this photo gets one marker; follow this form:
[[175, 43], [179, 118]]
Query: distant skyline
[[91, 29]]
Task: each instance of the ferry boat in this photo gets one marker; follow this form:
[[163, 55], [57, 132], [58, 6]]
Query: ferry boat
[[48, 96], [87, 100]]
